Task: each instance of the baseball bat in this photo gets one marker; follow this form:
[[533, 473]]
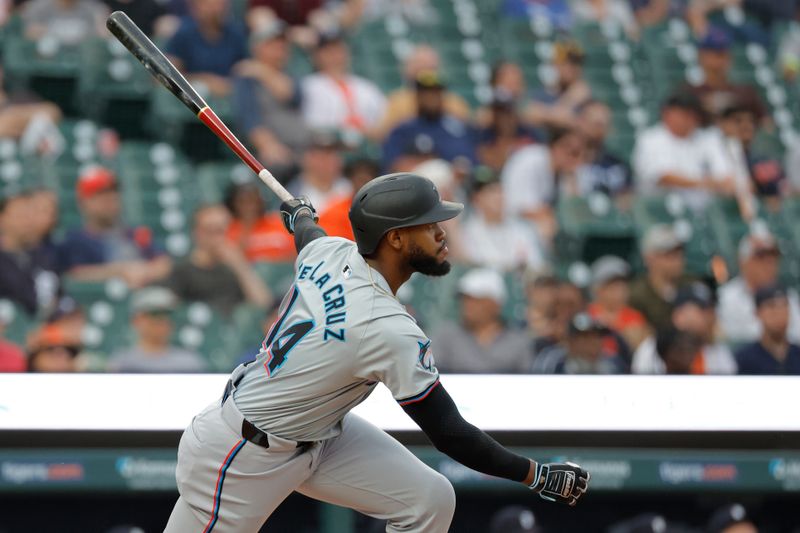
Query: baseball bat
[[162, 69]]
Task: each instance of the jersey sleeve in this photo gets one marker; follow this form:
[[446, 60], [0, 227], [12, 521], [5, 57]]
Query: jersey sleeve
[[398, 354]]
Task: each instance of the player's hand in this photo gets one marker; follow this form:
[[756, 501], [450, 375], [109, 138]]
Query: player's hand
[[560, 482], [295, 207]]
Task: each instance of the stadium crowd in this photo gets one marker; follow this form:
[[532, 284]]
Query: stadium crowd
[[512, 159]]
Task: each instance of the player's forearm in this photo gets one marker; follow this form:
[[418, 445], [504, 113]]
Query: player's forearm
[[438, 416], [305, 231]]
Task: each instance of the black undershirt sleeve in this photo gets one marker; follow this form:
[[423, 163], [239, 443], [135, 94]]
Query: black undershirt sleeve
[[305, 231], [438, 416]]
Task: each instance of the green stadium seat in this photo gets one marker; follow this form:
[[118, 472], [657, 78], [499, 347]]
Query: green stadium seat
[[278, 276], [16, 322]]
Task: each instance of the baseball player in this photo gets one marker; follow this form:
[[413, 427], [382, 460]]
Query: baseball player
[[284, 423]]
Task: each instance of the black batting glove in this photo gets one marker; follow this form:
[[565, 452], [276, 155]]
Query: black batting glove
[[560, 482], [294, 208]]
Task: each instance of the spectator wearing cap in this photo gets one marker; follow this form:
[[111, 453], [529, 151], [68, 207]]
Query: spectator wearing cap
[[401, 104], [207, 44], [67, 21], [216, 271], [507, 79], [497, 240], [676, 156], [772, 353], [557, 104], [536, 176], [29, 273], [692, 312], [504, 133], [258, 233], [582, 352], [268, 101], [717, 92], [731, 518], [653, 294], [603, 171], [759, 266], [610, 276], [151, 318], [452, 139], [514, 519], [481, 343], [678, 350], [50, 350], [105, 247], [609, 13], [20, 112], [334, 97]]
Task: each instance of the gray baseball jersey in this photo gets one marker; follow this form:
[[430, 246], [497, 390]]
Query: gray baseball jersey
[[340, 332]]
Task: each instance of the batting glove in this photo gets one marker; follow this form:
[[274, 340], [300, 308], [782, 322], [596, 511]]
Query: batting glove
[[294, 208], [560, 482]]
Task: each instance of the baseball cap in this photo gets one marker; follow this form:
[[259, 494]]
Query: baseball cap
[[482, 176], [753, 245], [568, 51], [429, 79], [513, 519], [645, 523], [273, 29], [770, 292], [153, 299], [483, 283], [326, 139], [715, 39], [661, 238], [329, 36], [727, 516], [609, 268], [95, 180], [585, 323], [696, 293], [439, 171]]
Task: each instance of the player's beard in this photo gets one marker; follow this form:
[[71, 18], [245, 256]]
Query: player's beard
[[427, 264]]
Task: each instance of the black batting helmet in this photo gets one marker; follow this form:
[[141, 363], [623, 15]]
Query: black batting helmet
[[396, 201]]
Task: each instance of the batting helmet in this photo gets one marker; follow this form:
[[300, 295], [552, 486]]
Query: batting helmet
[[396, 201]]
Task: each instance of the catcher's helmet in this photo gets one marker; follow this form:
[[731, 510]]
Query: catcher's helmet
[[396, 201]]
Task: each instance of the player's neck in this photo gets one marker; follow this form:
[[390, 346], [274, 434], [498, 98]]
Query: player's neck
[[392, 271]]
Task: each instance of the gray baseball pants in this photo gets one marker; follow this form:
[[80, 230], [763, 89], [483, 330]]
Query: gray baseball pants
[[228, 484]]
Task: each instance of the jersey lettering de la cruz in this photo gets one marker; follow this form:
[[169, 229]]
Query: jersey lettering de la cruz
[[339, 333]]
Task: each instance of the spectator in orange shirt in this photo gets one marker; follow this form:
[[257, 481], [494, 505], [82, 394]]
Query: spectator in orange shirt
[[336, 220], [610, 305], [260, 235]]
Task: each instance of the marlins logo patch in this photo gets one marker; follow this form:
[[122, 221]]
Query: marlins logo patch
[[425, 358], [347, 272]]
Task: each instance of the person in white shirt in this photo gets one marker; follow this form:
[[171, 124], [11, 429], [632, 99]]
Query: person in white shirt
[[535, 176], [497, 240], [759, 264], [321, 178], [675, 155], [693, 312], [333, 97]]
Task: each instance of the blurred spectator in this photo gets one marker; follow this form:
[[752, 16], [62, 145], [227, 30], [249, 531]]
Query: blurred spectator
[[773, 353], [67, 21], [788, 55], [731, 519], [150, 15], [677, 350], [294, 13], [446, 178], [508, 80], [504, 133], [151, 318], [305, 15], [207, 45], [481, 342], [44, 218], [28, 271], [401, 104], [259, 234], [693, 312], [68, 315], [21, 112], [675, 155], [759, 266], [717, 92], [495, 239], [653, 12], [49, 350], [653, 293], [449, 138], [535, 177], [333, 97], [603, 172], [581, 353], [608, 13], [268, 101], [555, 13], [12, 358], [514, 519], [216, 271], [610, 307], [322, 182], [557, 105], [104, 247], [541, 290]]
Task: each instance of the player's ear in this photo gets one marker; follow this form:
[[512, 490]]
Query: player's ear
[[395, 239]]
